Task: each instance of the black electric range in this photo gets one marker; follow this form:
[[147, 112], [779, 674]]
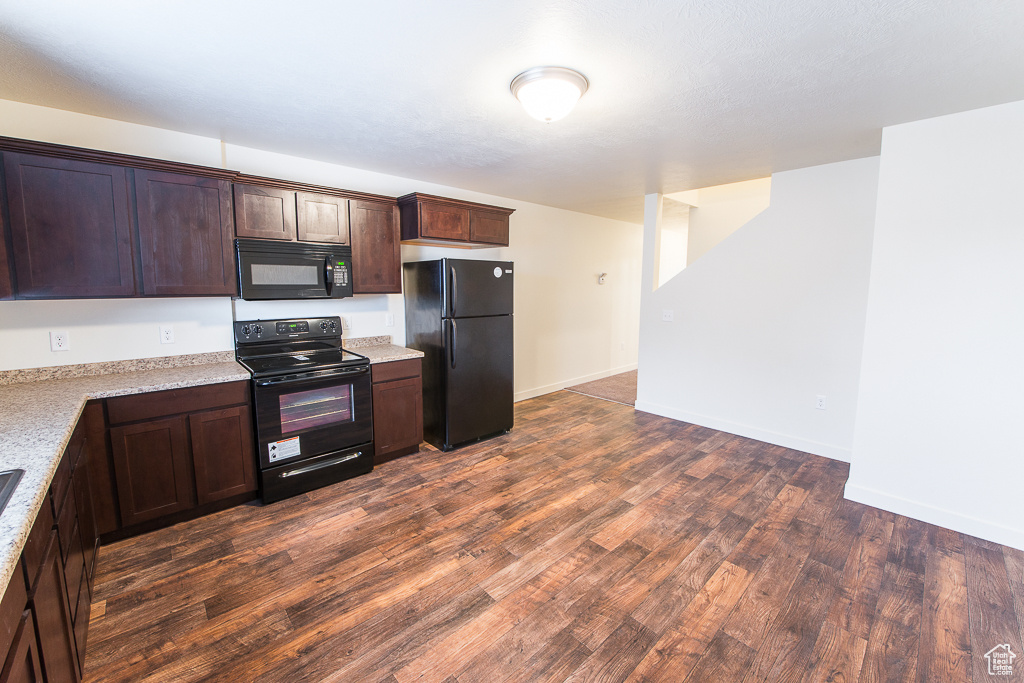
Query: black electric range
[[312, 403]]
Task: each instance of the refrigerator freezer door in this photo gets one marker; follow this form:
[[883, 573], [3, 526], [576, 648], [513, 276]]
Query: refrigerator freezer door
[[476, 288], [478, 369]]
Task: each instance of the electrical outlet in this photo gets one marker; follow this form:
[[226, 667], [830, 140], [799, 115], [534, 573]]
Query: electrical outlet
[[666, 315], [389, 319], [346, 324], [59, 341], [166, 334], [819, 402]]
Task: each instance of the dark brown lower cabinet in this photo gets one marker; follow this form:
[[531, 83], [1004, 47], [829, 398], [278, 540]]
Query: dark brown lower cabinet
[[51, 612], [19, 652], [23, 664], [174, 450], [222, 453], [89, 537], [154, 476], [397, 409], [181, 449]]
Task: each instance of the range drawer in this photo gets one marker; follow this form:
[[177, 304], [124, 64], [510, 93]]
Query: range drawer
[[175, 401]]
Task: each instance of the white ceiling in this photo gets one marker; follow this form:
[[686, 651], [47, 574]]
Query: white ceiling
[[684, 94]]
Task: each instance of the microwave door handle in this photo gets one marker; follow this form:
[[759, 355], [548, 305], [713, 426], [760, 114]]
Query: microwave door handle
[[329, 274]]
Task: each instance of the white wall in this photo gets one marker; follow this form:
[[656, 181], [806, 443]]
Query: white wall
[[568, 329], [770, 318], [941, 401], [717, 212]]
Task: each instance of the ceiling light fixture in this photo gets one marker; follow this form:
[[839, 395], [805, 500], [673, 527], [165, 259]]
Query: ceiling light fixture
[[549, 93]]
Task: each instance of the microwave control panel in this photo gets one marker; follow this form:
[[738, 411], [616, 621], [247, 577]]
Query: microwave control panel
[[340, 273]]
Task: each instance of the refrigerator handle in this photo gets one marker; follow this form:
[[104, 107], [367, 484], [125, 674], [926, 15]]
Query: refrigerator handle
[[455, 340], [455, 292]]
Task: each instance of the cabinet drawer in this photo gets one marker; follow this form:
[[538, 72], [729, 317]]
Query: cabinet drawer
[[175, 401], [396, 369]]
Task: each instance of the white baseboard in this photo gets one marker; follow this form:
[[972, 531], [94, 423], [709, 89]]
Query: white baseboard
[[972, 526], [788, 441], [558, 386]]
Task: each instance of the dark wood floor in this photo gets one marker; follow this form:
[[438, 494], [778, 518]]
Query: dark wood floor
[[593, 543]]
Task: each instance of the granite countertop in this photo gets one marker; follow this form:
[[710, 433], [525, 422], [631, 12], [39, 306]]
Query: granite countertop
[[380, 349], [39, 409]]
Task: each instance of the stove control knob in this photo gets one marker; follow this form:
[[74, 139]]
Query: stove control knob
[[258, 329], [334, 326], [246, 330], [323, 325]]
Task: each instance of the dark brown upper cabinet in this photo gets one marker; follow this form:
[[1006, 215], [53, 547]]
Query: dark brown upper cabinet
[[427, 219], [264, 212], [322, 218], [488, 227], [70, 228], [6, 286], [185, 235], [376, 259]]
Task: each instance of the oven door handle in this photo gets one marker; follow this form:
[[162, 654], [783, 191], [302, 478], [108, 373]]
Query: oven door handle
[[292, 379], [321, 465]]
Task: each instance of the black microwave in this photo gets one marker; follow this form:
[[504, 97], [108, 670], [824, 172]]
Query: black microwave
[[293, 270]]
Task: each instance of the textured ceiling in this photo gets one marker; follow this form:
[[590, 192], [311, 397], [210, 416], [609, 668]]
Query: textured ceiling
[[684, 93]]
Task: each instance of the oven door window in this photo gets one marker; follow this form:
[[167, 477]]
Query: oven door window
[[315, 408]]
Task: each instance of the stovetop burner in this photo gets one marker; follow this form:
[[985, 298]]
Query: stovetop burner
[[275, 347]]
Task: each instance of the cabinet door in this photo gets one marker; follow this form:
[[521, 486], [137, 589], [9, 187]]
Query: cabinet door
[[397, 417], [52, 617], [490, 227], [100, 461], [264, 212], [376, 260], [322, 218], [153, 469], [225, 462], [185, 235], [443, 221], [6, 285], [86, 517], [23, 665], [70, 227]]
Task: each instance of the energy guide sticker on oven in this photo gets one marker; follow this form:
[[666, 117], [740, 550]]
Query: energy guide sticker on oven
[[287, 448]]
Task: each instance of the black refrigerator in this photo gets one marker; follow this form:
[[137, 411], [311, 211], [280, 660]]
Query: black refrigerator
[[458, 312]]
